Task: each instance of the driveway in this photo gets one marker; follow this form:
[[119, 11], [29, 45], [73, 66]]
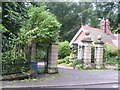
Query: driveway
[[70, 77]]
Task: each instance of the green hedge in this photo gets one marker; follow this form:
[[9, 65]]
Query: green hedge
[[111, 54], [63, 49], [14, 59]]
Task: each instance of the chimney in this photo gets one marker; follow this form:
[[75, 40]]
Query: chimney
[[105, 25]]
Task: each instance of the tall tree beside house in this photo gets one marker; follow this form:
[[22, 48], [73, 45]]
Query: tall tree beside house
[[41, 27], [109, 10], [67, 14]]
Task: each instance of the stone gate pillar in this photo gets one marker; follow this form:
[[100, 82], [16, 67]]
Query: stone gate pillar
[[52, 58], [87, 43], [99, 53]]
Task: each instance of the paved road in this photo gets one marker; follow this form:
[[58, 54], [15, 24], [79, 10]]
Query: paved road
[[90, 86], [87, 87], [71, 77]]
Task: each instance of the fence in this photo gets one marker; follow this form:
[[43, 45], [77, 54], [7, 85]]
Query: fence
[[16, 57]]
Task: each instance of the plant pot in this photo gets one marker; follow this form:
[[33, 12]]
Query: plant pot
[[35, 67]]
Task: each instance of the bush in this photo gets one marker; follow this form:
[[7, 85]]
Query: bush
[[79, 66], [14, 57], [111, 49], [93, 52], [64, 60], [63, 49], [111, 55], [71, 64]]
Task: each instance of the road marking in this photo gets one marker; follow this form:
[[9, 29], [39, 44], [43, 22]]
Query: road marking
[[115, 86]]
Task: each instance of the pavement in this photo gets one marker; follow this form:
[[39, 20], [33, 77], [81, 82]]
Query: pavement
[[69, 77]]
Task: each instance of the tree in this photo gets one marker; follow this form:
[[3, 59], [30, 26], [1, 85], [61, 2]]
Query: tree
[[109, 10], [13, 16], [41, 27], [67, 14]]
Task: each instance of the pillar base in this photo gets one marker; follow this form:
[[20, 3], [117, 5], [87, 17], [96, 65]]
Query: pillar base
[[87, 66], [52, 70], [98, 66]]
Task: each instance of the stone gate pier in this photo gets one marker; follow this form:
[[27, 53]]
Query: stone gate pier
[[52, 58], [99, 53], [87, 43]]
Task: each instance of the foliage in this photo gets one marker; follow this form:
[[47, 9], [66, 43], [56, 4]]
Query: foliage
[[20, 28], [93, 53], [64, 60], [13, 15], [67, 14], [77, 64], [59, 61], [117, 30], [109, 10], [79, 67], [41, 54], [111, 49], [63, 49], [14, 58], [111, 55], [3, 29], [41, 25]]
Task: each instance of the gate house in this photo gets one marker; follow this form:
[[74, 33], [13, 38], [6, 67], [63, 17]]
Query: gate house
[[104, 32]]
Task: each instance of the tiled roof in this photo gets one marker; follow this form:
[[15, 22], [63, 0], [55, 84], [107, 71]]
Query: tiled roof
[[94, 32]]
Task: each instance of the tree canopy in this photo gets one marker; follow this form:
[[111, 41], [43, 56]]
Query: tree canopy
[[13, 15], [41, 25], [72, 15]]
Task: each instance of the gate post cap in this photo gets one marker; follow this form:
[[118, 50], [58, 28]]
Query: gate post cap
[[99, 37], [87, 33]]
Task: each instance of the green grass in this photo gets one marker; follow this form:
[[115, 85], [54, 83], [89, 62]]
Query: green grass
[[92, 69], [46, 77]]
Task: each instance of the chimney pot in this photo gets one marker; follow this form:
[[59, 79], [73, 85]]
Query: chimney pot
[[104, 25]]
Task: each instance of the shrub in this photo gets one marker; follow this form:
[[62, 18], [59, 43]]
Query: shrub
[[64, 60], [14, 56], [70, 64], [79, 66], [93, 52], [111, 55], [63, 49], [59, 61], [77, 63], [111, 49]]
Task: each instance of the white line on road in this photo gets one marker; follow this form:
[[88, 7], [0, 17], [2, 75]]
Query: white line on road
[[115, 86]]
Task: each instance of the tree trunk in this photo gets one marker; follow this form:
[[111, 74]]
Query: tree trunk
[[33, 51]]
